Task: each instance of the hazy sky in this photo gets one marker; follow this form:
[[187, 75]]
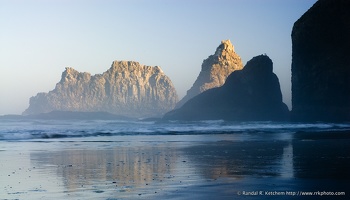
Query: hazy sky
[[39, 38]]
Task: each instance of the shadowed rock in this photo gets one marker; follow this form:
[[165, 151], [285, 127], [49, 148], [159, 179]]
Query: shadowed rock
[[321, 63], [250, 94]]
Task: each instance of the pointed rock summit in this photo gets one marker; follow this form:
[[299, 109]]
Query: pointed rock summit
[[215, 69], [127, 89], [250, 94]]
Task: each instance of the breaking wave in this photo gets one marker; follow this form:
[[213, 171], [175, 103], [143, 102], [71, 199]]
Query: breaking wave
[[47, 129]]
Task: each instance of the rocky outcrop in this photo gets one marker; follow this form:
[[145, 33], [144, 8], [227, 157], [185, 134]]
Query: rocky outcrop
[[215, 69], [250, 94], [321, 63], [127, 89]]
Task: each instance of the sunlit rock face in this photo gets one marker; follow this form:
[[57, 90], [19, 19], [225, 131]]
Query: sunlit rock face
[[127, 89], [250, 94], [321, 63], [215, 69]]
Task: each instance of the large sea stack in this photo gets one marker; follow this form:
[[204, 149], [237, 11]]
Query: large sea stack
[[321, 63], [127, 89], [250, 94], [215, 69]]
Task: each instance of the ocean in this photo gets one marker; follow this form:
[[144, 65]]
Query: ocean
[[30, 129], [213, 159]]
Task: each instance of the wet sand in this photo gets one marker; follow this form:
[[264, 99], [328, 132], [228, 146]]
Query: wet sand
[[177, 167]]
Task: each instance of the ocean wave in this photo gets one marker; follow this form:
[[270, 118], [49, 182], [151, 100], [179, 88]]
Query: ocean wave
[[26, 130]]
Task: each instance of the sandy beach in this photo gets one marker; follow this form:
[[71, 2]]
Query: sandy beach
[[177, 167]]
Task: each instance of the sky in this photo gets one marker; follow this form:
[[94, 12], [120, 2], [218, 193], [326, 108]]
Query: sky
[[39, 38]]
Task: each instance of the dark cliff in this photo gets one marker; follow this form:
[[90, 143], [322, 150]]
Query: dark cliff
[[127, 89], [321, 63], [252, 93]]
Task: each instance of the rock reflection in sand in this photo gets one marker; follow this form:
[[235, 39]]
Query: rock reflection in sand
[[238, 159], [152, 169], [323, 155], [120, 169], [178, 169]]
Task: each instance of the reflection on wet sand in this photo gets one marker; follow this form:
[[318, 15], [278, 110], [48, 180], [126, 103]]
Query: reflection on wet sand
[[226, 167], [287, 164], [142, 165], [133, 169], [122, 167], [238, 159], [323, 155]]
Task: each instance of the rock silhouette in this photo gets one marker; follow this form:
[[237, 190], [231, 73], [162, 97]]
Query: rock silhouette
[[321, 63], [252, 93]]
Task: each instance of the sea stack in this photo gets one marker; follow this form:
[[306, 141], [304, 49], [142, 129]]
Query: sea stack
[[321, 63], [215, 69], [250, 94], [127, 89]]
